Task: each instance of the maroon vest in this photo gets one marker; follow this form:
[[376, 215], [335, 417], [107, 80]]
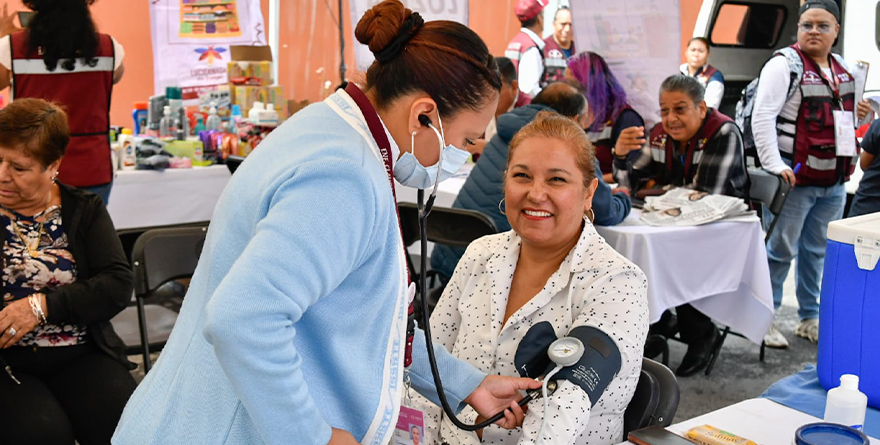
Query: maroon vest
[[706, 75], [515, 50], [554, 62], [663, 150], [602, 143], [814, 141], [85, 94]]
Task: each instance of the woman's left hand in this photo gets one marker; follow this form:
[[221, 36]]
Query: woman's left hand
[[864, 108], [19, 316], [7, 22], [498, 393]]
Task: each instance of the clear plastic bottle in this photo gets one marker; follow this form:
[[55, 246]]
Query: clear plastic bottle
[[213, 122], [166, 124], [846, 405]]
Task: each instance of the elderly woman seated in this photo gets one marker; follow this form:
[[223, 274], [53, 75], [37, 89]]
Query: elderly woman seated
[[514, 293], [64, 276]]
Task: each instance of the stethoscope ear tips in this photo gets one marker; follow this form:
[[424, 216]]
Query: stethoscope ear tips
[[425, 120]]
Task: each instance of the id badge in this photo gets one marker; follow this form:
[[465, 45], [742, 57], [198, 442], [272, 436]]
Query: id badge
[[844, 133], [410, 429]]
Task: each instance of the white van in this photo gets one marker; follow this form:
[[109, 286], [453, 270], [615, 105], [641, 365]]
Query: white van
[[744, 33]]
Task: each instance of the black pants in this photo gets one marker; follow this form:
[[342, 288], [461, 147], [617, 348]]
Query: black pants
[[693, 325], [67, 393]]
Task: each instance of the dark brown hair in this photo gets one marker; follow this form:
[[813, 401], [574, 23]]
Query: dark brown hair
[[443, 59], [63, 31], [702, 40], [37, 127]]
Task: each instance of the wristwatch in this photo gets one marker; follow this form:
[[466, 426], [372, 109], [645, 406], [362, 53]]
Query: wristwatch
[[614, 153]]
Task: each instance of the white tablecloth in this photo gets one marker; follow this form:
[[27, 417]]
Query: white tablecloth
[[762, 421], [147, 198], [719, 268]]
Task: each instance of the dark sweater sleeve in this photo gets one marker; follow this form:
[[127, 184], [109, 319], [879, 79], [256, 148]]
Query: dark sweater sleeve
[[108, 288], [610, 208], [627, 119]]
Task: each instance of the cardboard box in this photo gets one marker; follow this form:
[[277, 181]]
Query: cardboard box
[[245, 96], [252, 63]]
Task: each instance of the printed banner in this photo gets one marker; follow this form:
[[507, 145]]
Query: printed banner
[[640, 40], [454, 10], [191, 40]]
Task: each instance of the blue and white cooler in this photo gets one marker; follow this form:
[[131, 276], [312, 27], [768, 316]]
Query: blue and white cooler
[[849, 313]]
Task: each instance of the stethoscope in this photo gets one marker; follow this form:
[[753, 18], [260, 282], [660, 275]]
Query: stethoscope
[[563, 352]]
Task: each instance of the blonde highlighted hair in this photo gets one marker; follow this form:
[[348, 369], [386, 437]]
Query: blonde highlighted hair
[[548, 124]]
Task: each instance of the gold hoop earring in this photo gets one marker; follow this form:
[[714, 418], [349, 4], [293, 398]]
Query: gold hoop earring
[[591, 216], [499, 207]]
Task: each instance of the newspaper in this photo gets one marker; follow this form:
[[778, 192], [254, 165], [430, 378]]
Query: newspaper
[[685, 207]]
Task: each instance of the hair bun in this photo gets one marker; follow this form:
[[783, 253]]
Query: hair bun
[[386, 27]]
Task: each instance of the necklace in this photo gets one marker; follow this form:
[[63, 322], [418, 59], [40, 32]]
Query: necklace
[[33, 251]]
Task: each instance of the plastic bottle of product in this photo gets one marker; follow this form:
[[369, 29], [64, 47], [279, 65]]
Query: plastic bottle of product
[[236, 118], [846, 405], [182, 125], [269, 116], [166, 124], [140, 115], [213, 122], [127, 149], [254, 112], [200, 127]]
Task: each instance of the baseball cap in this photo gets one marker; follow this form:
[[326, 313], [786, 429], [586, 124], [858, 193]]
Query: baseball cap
[[528, 9]]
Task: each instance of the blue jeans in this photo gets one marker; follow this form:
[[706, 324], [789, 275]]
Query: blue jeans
[[802, 233], [101, 190]]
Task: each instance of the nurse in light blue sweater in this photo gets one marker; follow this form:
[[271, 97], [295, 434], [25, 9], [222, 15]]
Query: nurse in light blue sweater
[[294, 328]]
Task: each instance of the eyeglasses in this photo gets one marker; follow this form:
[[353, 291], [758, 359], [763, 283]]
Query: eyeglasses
[[679, 110], [823, 28]]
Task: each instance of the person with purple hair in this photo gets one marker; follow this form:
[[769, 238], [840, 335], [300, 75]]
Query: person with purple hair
[[613, 121]]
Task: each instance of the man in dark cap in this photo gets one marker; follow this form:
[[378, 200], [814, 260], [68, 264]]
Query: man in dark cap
[[804, 101], [526, 50]]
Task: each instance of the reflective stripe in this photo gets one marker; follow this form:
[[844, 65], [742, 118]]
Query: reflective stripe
[[512, 55], [38, 66], [658, 154], [698, 156], [847, 88], [596, 136], [821, 164], [815, 91], [554, 62]]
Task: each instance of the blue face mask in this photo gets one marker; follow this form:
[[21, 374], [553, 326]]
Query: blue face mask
[[411, 173]]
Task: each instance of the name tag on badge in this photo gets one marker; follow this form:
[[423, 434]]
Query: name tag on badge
[[410, 428], [410, 294], [844, 133]]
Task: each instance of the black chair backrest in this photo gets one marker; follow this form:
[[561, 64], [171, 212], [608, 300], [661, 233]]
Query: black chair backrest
[[453, 227], [162, 255], [655, 399], [768, 189]]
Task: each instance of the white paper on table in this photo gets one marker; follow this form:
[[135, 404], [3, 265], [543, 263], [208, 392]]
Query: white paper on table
[[860, 74]]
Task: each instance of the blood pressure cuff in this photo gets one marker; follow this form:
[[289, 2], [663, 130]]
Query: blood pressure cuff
[[598, 365], [531, 357]]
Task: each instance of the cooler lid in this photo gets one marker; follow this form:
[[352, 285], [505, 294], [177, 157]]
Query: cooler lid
[[863, 233]]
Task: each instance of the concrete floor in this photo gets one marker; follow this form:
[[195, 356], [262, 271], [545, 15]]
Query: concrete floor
[[738, 374]]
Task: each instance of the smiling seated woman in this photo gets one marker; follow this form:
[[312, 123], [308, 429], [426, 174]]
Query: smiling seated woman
[[551, 270]]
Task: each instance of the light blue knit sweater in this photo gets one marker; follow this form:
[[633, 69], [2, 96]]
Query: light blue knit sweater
[[285, 328]]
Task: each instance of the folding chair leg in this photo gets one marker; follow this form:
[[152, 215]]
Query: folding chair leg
[[665, 354], [763, 346], [716, 350], [145, 341]]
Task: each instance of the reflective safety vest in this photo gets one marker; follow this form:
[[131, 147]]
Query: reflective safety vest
[[704, 75], [85, 94], [521, 43], [554, 62], [814, 138], [664, 151]]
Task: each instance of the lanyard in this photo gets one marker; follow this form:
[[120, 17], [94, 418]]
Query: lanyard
[[381, 138]]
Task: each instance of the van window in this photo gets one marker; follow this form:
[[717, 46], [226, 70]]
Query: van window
[[748, 25]]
